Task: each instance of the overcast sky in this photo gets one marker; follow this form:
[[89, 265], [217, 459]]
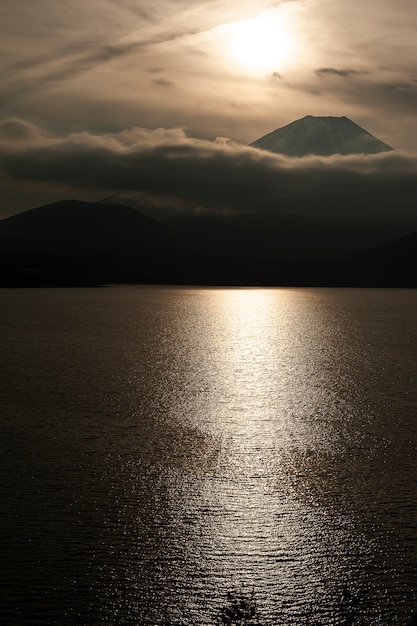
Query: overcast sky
[[79, 74]]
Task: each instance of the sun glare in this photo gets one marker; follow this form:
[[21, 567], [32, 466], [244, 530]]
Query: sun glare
[[264, 43]]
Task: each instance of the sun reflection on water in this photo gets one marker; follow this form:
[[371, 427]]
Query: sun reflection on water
[[254, 378], [265, 397], [269, 379]]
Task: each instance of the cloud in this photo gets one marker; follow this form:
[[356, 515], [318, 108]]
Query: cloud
[[166, 165], [344, 73], [162, 82], [118, 35], [16, 131], [87, 60], [62, 47]]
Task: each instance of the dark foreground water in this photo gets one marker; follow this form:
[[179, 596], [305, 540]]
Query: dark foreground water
[[160, 447]]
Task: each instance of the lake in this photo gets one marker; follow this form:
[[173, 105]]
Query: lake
[[163, 447]]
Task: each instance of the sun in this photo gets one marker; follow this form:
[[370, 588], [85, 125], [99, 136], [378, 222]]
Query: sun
[[262, 44]]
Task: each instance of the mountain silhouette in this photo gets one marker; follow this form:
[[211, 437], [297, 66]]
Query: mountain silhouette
[[322, 136], [82, 243], [76, 228], [393, 262], [73, 242]]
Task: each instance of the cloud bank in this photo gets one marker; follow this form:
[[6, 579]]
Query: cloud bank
[[167, 167]]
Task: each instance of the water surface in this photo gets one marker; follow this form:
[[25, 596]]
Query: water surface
[[163, 446]]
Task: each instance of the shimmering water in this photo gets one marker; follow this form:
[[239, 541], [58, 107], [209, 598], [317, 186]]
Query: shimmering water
[[163, 446]]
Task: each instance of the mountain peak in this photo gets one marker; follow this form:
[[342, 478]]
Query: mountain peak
[[323, 136]]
